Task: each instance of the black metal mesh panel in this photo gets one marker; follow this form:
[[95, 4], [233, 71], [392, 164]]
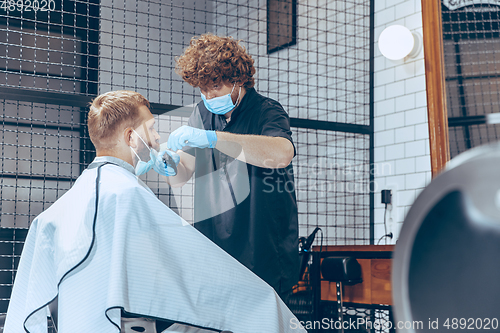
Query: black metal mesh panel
[[375, 319], [472, 65], [52, 49], [333, 185], [40, 157], [357, 318], [45, 53], [11, 242], [318, 69], [139, 41], [324, 75], [327, 69]]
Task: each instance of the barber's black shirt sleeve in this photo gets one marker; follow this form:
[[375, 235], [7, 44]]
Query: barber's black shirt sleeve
[[275, 122]]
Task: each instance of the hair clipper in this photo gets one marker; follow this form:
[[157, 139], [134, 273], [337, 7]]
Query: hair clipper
[[169, 162]]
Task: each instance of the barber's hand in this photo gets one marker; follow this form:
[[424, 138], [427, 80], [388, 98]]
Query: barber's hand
[[191, 137], [166, 169]]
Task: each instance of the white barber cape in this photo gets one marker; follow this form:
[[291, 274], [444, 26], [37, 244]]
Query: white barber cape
[[134, 254]]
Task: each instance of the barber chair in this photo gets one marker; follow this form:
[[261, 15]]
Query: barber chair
[[53, 312], [130, 323], [446, 272], [133, 325], [342, 270], [145, 325]]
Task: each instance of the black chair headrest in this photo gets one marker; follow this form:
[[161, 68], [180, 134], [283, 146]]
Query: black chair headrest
[[341, 269]]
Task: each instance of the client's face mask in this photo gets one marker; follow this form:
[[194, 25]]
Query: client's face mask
[[222, 104], [142, 167]]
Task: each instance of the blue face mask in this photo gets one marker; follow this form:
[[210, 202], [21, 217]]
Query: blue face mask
[[220, 105], [142, 167]]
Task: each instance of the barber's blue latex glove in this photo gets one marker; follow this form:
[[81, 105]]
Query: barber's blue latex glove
[[163, 168], [191, 137]]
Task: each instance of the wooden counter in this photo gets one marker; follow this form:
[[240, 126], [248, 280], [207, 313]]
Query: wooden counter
[[375, 261]]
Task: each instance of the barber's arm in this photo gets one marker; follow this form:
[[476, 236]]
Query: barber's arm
[[259, 150]]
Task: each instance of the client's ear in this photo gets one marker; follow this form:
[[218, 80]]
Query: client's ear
[[128, 139]]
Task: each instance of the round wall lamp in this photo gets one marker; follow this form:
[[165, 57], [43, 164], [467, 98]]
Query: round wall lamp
[[398, 42]]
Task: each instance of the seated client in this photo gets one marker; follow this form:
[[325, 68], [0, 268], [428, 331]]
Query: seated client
[[108, 248]]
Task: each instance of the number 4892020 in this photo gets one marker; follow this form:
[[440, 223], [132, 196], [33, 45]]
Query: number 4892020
[[28, 5]]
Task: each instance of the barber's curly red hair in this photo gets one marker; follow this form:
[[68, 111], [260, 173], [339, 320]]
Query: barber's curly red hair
[[211, 60]]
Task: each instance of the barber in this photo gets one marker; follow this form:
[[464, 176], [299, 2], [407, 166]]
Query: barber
[[236, 131]]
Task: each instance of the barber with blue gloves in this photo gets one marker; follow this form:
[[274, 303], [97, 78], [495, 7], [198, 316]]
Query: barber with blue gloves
[[235, 130], [191, 137]]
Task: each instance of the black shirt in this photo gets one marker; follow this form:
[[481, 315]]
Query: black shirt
[[249, 211]]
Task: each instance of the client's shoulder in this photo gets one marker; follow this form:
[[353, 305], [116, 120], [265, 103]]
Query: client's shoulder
[[117, 179]]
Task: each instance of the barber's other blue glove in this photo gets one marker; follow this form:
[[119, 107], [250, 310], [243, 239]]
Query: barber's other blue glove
[[162, 168], [191, 137]]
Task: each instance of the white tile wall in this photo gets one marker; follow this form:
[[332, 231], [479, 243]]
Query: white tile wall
[[394, 152], [401, 128], [405, 134]]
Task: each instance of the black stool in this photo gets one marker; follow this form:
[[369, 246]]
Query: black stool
[[342, 270]]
